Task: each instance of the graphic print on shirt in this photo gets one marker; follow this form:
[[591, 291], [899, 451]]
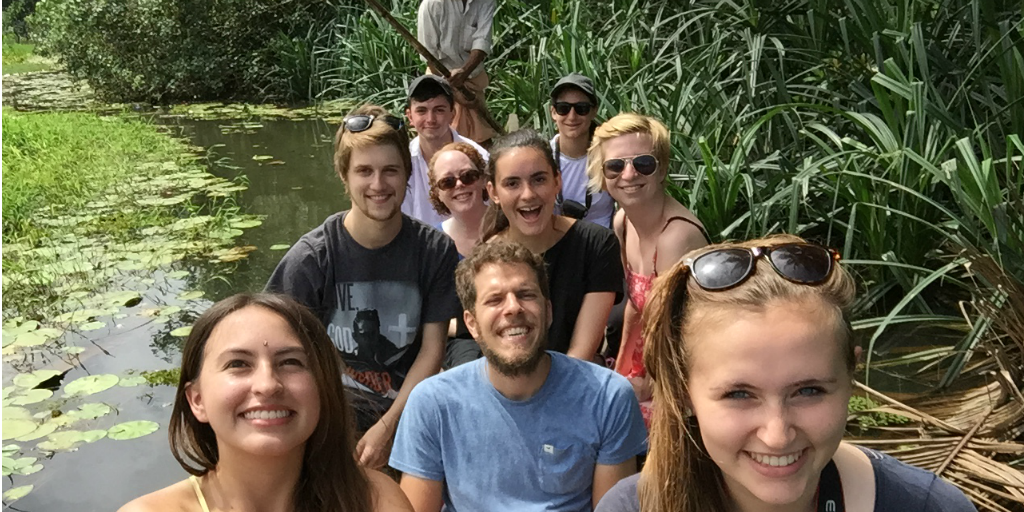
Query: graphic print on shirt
[[374, 327]]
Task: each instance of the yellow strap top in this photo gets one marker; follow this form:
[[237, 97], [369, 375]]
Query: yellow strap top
[[199, 492]]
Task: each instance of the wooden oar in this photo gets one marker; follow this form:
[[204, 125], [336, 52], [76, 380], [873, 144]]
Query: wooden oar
[[433, 62]]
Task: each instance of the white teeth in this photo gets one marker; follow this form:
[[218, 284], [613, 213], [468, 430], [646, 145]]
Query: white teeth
[[515, 331], [266, 415], [777, 461]]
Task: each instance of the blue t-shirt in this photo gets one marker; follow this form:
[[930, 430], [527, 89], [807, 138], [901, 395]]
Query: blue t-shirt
[[899, 487], [497, 454]]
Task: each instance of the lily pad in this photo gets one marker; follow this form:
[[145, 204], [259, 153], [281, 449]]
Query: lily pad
[[31, 380], [73, 350], [42, 431], [17, 493], [132, 429], [279, 247], [20, 466], [90, 384], [17, 428], [70, 439], [194, 294], [16, 413], [92, 326], [32, 396], [181, 332], [131, 381], [92, 411], [245, 224]]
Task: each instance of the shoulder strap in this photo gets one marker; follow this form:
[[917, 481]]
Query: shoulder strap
[[703, 232], [830, 490], [199, 493]]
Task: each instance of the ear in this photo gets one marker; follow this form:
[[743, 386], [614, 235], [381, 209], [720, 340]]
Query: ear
[[857, 353], [551, 316], [467, 316], [195, 402], [554, 116], [408, 114], [491, 194]]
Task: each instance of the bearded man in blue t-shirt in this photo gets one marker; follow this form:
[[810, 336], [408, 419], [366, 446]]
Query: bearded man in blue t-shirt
[[523, 428]]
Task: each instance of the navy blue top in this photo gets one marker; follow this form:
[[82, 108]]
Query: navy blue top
[[899, 487]]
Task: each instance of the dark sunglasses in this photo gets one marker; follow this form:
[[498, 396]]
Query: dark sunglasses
[[644, 164], [467, 178], [582, 108], [803, 263], [362, 122]]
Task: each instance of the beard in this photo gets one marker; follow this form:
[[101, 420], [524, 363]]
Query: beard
[[524, 364]]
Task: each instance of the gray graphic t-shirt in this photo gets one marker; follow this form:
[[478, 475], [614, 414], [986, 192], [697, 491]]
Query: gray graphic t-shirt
[[372, 301]]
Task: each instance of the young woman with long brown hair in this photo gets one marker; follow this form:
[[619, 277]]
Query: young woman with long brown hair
[[260, 420], [752, 357]]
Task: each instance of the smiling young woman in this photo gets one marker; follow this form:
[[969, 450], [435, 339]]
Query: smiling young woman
[[752, 358], [260, 420]]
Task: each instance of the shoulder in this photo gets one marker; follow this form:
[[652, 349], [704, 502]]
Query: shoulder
[[177, 497], [679, 238], [589, 376], [387, 495], [618, 223], [431, 236], [591, 233], [622, 497], [438, 388], [898, 482]]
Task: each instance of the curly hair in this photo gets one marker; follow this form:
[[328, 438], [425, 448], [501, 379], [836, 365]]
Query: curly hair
[[474, 158]]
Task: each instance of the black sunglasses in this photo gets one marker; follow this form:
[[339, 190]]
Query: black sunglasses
[[803, 263], [467, 178], [362, 122], [644, 164], [582, 108]]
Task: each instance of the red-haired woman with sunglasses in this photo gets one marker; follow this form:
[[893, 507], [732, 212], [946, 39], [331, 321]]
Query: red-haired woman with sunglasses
[[456, 189], [752, 358], [629, 159]]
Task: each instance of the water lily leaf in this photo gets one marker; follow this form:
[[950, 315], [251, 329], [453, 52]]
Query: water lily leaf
[[41, 431], [132, 429], [276, 162], [82, 315], [20, 466], [16, 413], [177, 274], [279, 247], [32, 396], [11, 449], [161, 320], [17, 493], [73, 350], [17, 428], [181, 332], [195, 294], [245, 224], [90, 384], [91, 411], [31, 380], [70, 439], [91, 326], [131, 381], [30, 339], [234, 254], [260, 158]]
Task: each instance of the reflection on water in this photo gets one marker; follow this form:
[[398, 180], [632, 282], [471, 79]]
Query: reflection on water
[[295, 196]]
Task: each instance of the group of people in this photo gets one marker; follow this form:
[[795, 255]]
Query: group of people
[[503, 266]]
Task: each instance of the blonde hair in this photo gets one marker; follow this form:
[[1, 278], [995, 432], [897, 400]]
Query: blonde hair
[[625, 124], [679, 474], [380, 133]]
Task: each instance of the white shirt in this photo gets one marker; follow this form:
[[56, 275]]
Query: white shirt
[[450, 31], [574, 187], [417, 197]]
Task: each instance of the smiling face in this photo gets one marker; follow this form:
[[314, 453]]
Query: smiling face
[[510, 318], [376, 181], [573, 125], [462, 198], [631, 188], [770, 389], [255, 388], [525, 187], [431, 118]]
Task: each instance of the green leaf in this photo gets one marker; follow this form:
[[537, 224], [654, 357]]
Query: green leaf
[[42, 431], [17, 428], [177, 274], [17, 493], [181, 332], [245, 224], [132, 429], [90, 384], [92, 326], [131, 381], [260, 158], [32, 396], [91, 411], [70, 439], [31, 380], [195, 294], [279, 247]]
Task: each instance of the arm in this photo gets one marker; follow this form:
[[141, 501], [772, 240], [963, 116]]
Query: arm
[[373, 448], [481, 41], [426, 26], [606, 476], [590, 325], [630, 322], [387, 495], [425, 495], [459, 76]]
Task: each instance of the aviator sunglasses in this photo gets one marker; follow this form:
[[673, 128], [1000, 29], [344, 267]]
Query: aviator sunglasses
[[644, 164], [803, 263], [362, 122], [467, 178], [582, 108]]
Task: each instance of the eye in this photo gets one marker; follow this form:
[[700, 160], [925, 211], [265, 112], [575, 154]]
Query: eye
[[492, 301], [510, 183], [738, 394], [391, 171], [293, 361], [810, 391], [364, 171], [540, 180], [235, 363]]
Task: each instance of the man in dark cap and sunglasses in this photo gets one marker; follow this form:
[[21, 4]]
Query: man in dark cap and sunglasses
[[430, 111], [382, 283]]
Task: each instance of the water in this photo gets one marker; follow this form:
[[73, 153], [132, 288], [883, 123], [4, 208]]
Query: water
[[295, 197]]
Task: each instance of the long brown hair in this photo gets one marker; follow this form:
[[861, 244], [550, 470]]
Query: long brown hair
[[494, 221], [679, 474], [331, 480]]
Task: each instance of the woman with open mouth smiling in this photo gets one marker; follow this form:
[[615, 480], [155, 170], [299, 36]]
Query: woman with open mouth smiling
[[260, 420], [585, 274], [752, 358]]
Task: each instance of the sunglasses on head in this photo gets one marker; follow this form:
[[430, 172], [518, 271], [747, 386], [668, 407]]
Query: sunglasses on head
[[362, 122], [582, 108], [467, 178], [644, 164], [803, 263]]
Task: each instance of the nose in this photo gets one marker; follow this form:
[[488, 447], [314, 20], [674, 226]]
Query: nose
[[266, 381], [528, 192], [512, 305], [777, 431], [628, 171]]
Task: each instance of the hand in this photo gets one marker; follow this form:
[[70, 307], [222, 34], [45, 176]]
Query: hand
[[374, 448], [642, 388], [458, 78]]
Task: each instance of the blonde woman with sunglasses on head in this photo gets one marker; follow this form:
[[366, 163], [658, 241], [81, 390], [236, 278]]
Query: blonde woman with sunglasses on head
[[752, 358], [629, 159]]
